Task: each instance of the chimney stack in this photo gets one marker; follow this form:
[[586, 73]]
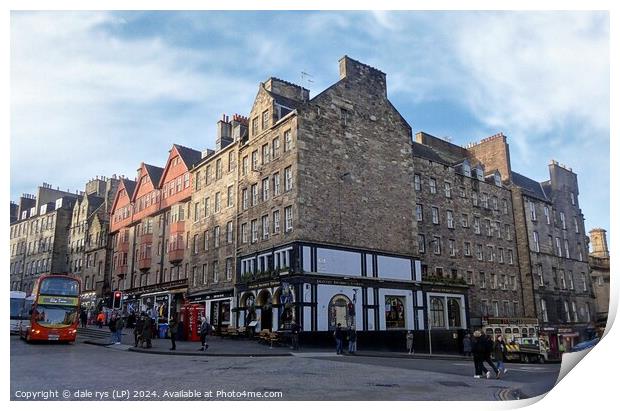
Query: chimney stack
[[224, 129]]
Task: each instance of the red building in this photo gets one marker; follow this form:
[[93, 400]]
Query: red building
[[149, 235]]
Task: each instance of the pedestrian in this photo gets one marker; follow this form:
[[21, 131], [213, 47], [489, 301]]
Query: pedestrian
[[100, 319], [467, 345], [147, 331], [173, 328], [112, 326], [295, 335], [83, 318], [339, 336], [477, 349], [352, 340], [488, 349], [205, 327], [409, 342], [120, 323], [137, 331], [499, 353]]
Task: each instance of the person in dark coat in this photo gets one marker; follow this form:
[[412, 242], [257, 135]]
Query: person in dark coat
[[147, 331], [173, 327], [499, 353], [477, 349], [295, 335], [112, 326], [467, 345], [488, 349], [137, 331], [352, 340], [120, 323], [339, 336], [83, 318]]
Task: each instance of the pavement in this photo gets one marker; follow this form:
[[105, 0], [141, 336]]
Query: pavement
[[237, 347]]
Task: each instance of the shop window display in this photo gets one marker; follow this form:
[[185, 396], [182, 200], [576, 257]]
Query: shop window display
[[394, 312]]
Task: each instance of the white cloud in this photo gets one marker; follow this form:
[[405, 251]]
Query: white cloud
[[86, 102]]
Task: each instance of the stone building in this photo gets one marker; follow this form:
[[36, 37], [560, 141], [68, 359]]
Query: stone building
[[325, 231], [212, 226], [38, 238], [149, 235], [552, 247], [599, 271], [466, 233], [88, 255]]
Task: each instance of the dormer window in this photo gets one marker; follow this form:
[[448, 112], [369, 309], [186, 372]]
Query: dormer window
[[479, 173], [466, 168], [497, 178]]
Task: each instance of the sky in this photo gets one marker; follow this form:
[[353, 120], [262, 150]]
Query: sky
[[97, 93]]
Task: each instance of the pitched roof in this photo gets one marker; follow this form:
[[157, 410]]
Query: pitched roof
[[284, 101], [189, 156], [154, 173], [129, 185], [531, 187]]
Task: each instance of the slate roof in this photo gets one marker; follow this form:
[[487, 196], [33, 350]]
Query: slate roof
[[530, 187], [284, 101], [154, 173], [420, 150], [189, 156], [130, 186]]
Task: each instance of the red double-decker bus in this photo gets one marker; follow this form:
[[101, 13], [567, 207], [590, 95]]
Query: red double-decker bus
[[54, 314]]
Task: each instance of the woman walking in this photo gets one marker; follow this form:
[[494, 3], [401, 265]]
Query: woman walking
[[499, 353], [174, 328]]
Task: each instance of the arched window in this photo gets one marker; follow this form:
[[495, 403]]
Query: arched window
[[337, 312], [454, 313], [437, 313]]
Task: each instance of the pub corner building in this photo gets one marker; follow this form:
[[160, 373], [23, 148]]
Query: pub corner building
[[381, 296]]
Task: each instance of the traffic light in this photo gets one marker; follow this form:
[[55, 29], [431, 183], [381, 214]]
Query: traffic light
[[117, 300]]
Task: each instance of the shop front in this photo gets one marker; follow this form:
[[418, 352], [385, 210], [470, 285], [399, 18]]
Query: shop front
[[217, 306], [158, 301], [267, 305]]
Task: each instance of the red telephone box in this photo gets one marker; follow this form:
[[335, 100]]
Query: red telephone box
[[191, 314]]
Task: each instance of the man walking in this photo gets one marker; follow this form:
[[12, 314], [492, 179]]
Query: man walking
[[205, 327], [173, 326], [488, 349], [352, 340], [112, 326], [83, 318], [339, 336], [147, 331], [119, 328]]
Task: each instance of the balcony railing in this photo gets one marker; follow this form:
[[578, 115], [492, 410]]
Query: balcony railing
[[120, 270], [144, 264]]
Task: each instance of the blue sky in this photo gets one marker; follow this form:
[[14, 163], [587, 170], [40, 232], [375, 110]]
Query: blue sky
[[96, 93]]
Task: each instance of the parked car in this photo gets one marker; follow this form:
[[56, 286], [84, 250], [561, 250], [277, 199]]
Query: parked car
[[584, 345]]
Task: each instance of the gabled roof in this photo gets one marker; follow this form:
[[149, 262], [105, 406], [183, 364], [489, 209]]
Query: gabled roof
[[530, 187], [153, 172], [128, 185], [189, 156]]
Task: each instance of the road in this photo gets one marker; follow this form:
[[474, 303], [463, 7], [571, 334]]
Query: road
[[88, 372]]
